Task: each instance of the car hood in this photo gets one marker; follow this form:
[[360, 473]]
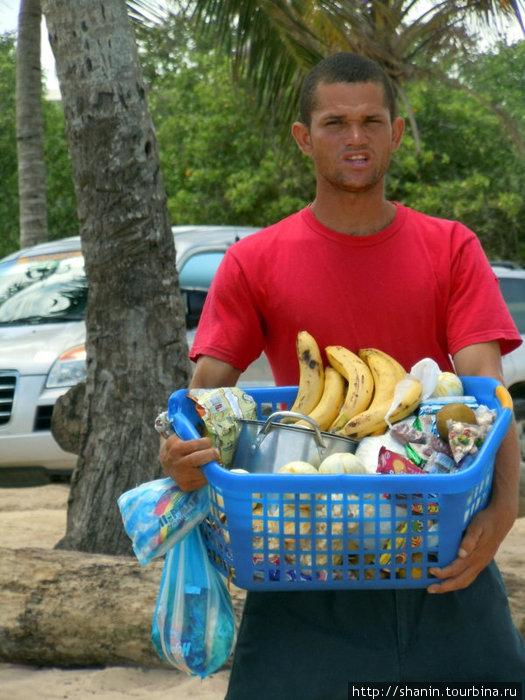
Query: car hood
[[34, 349]]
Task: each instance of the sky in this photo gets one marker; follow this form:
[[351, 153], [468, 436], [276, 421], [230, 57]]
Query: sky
[[9, 22]]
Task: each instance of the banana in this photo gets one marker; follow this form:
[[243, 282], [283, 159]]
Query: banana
[[387, 373], [311, 374], [331, 400], [360, 383]]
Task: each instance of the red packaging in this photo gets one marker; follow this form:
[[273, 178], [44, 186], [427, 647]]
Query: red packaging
[[389, 462]]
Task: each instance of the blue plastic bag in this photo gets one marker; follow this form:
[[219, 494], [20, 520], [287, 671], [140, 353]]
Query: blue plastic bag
[[157, 515], [193, 624]]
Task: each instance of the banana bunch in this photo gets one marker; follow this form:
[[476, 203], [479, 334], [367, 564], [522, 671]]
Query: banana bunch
[[388, 374], [354, 395]]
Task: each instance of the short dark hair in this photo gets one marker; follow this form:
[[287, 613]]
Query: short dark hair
[[344, 67]]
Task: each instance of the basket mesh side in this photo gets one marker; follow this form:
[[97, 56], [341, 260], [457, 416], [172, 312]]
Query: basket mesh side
[[334, 537]]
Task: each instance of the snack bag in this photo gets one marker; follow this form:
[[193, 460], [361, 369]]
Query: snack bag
[[219, 410], [193, 624], [157, 515]]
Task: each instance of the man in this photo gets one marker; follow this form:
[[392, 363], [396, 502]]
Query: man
[[358, 270]]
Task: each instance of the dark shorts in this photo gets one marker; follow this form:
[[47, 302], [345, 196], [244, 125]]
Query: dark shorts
[[310, 645]]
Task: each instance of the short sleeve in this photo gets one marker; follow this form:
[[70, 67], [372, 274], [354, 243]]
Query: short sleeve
[[230, 328]]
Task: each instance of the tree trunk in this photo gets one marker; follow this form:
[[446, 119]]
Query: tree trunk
[[136, 346], [70, 609], [30, 126]]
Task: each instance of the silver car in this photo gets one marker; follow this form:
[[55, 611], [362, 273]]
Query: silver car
[[43, 296]]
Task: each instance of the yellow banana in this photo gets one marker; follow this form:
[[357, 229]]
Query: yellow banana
[[360, 383], [311, 374], [386, 371], [372, 421], [331, 400]]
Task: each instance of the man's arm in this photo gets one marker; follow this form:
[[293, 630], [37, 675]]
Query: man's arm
[[489, 527], [183, 459]]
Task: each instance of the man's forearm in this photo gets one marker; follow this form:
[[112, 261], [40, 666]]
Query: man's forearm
[[505, 484]]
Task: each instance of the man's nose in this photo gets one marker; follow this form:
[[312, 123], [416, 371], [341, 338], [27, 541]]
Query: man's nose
[[354, 133]]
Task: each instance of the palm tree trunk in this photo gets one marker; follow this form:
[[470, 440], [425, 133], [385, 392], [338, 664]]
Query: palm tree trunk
[[136, 344], [30, 127]]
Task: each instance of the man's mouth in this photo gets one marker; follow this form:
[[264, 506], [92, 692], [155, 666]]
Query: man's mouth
[[356, 158]]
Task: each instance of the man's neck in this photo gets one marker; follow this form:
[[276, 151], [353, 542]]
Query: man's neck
[[354, 215]]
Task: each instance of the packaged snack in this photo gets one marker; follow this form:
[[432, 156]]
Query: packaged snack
[[464, 439], [428, 410], [220, 409], [439, 463], [394, 463]]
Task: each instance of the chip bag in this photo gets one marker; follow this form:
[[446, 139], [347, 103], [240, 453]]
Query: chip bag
[[193, 624], [220, 410]]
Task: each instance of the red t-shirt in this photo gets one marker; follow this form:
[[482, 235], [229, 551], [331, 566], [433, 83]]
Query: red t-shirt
[[421, 287]]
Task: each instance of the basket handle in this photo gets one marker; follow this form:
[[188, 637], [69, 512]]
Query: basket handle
[[503, 397], [289, 414]]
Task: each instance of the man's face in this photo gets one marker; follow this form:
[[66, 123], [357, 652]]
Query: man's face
[[351, 137]]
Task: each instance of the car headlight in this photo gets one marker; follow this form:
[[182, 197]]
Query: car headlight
[[69, 369]]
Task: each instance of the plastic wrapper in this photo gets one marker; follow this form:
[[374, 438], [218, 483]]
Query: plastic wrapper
[[157, 515], [220, 409], [427, 371], [464, 439], [420, 446], [428, 409], [394, 463], [440, 463], [193, 625]]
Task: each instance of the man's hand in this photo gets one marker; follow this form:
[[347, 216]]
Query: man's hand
[[488, 528], [183, 459], [480, 543]]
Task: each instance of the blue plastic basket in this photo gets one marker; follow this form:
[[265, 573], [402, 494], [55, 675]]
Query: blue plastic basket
[[278, 532]]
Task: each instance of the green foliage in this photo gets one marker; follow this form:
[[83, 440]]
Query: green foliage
[[223, 160], [61, 205], [470, 168], [62, 219], [8, 160]]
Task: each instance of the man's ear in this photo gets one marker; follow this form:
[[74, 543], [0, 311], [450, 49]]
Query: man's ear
[[301, 134], [398, 129]]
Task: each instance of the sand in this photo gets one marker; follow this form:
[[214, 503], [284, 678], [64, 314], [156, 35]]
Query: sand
[[36, 517]]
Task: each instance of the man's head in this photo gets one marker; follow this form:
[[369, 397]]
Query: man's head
[[344, 67]]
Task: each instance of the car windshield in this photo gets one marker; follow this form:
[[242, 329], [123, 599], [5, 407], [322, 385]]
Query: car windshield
[[513, 290], [199, 270], [44, 289]]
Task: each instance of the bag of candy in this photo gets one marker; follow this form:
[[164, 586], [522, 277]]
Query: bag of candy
[[193, 624]]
